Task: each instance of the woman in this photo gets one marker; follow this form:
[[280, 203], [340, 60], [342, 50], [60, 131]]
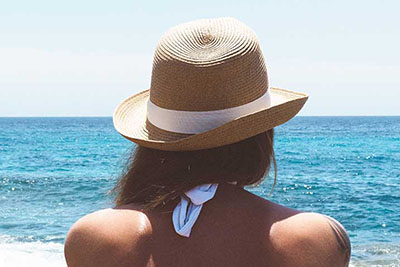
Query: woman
[[204, 131]]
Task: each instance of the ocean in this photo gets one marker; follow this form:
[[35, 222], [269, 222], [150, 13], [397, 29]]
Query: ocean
[[55, 170]]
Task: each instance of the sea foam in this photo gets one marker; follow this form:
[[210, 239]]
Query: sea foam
[[21, 254]]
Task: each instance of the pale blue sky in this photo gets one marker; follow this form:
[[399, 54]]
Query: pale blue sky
[[81, 58]]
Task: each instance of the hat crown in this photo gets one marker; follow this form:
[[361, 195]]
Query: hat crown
[[208, 64]]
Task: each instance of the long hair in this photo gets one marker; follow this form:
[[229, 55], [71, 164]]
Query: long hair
[[153, 177]]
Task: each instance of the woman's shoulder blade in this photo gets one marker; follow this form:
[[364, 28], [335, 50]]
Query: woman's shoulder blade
[[311, 239], [109, 237]]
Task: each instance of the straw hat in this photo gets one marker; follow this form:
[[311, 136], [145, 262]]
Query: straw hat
[[209, 87]]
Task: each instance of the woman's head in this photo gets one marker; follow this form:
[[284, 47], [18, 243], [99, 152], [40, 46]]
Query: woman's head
[[209, 88], [155, 177]]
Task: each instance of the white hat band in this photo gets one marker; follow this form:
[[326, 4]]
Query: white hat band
[[195, 122]]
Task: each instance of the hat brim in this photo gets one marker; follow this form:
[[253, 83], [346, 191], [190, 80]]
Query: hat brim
[[130, 121]]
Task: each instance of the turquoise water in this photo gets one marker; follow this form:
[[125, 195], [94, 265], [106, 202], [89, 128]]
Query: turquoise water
[[55, 170]]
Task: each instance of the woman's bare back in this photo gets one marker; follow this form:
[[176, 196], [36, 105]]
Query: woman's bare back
[[235, 228]]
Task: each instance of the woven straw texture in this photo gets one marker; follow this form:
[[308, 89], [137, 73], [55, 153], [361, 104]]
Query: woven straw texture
[[206, 65]]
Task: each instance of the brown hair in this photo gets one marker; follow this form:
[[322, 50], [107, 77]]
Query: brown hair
[[153, 177]]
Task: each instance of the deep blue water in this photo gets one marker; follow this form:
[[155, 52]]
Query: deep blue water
[[55, 170]]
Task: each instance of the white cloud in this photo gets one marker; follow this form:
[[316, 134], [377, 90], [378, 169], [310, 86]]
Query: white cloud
[[29, 65], [67, 82], [334, 72]]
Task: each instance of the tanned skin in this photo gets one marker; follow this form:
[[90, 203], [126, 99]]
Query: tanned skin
[[235, 228]]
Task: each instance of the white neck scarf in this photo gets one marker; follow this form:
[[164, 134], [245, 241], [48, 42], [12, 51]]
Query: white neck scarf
[[188, 210]]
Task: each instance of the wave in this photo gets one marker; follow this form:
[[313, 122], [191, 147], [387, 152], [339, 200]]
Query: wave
[[378, 254], [24, 253]]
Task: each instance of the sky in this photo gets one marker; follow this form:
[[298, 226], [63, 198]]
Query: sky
[[83, 57]]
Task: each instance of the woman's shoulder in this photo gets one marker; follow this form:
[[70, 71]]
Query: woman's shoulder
[[105, 237], [297, 238], [310, 239]]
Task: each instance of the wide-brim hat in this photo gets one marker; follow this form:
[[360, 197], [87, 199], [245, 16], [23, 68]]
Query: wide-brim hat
[[209, 88]]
